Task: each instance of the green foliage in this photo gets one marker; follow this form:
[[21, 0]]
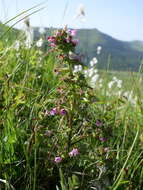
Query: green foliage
[[7, 34], [47, 111]]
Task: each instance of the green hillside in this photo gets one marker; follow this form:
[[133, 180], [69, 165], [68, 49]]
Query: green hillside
[[137, 45], [123, 55]]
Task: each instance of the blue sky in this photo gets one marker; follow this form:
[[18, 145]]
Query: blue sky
[[122, 19]]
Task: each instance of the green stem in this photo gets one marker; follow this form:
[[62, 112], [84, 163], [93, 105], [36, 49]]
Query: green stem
[[70, 132]]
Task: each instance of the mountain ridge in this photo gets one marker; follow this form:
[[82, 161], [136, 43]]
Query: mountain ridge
[[115, 55], [123, 55]]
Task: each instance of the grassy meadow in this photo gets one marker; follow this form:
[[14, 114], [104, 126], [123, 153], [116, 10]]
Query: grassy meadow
[[65, 127]]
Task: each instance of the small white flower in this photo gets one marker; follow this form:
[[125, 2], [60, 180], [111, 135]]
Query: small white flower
[[95, 70], [77, 68], [130, 98], [101, 80], [71, 53], [93, 62], [42, 30], [126, 94], [5, 139], [99, 48], [39, 43], [119, 83], [85, 73], [80, 68], [115, 79], [110, 84], [94, 78], [90, 72], [100, 83], [119, 93]]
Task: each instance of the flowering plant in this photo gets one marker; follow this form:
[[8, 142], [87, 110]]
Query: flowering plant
[[69, 105]]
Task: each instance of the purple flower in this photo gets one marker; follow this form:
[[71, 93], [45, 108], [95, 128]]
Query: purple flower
[[58, 159], [72, 32], [74, 152], [99, 123], [102, 139], [54, 111], [63, 112]]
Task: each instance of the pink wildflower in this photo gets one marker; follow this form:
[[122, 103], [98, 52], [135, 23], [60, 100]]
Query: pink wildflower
[[72, 32], [53, 45], [102, 139], [74, 152], [58, 159], [54, 111], [99, 123], [51, 39], [63, 112]]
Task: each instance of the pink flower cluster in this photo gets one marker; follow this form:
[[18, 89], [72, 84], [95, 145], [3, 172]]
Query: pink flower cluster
[[99, 123], [72, 32], [73, 153], [63, 37], [52, 41], [56, 111]]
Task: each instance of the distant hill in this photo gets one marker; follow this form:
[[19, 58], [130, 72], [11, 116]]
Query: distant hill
[[122, 55], [115, 54]]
